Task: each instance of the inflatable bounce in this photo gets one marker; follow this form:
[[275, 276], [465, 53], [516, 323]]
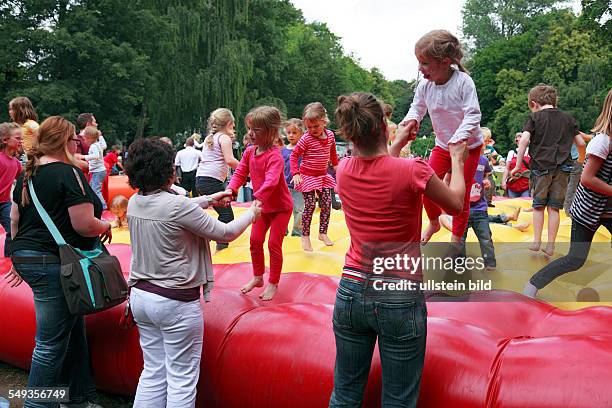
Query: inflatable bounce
[[499, 349]]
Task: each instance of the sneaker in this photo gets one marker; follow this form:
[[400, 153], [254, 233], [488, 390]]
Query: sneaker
[[490, 205], [88, 404], [296, 234], [221, 245]]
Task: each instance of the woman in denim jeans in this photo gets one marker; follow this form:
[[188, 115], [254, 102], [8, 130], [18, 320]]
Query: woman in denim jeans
[[61, 356], [382, 198]]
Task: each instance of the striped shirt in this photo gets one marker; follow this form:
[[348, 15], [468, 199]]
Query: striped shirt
[[316, 154], [589, 206]]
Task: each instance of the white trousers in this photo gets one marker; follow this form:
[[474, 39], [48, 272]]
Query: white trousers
[[171, 334]]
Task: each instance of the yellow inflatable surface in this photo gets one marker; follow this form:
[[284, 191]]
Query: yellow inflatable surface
[[516, 264]]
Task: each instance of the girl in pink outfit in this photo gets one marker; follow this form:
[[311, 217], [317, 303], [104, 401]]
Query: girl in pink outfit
[[264, 164], [449, 94], [317, 148]]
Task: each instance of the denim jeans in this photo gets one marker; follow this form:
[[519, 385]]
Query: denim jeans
[[298, 207], [61, 356], [580, 245], [398, 319], [479, 221], [97, 179], [5, 221], [514, 194]]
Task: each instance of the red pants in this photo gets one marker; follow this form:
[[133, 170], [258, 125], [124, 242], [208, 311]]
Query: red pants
[[277, 223], [440, 162]]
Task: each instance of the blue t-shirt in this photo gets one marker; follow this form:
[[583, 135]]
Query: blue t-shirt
[[286, 153], [477, 187]]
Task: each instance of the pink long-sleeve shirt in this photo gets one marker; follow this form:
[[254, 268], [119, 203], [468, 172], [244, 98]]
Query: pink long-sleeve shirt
[[267, 175]]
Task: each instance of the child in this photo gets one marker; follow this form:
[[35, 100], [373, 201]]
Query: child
[[294, 129], [449, 94], [494, 159], [479, 217], [247, 189], [118, 207], [22, 112], [549, 133], [391, 127], [517, 185], [112, 161], [591, 207], [264, 163], [97, 170], [316, 148], [10, 143]]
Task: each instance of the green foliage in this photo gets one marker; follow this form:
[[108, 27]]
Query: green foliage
[[554, 47], [150, 67]]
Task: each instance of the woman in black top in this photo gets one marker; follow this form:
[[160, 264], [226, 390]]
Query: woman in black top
[[60, 356]]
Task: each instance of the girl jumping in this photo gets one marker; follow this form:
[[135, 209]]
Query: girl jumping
[[264, 164], [317, 148], [449, 94]]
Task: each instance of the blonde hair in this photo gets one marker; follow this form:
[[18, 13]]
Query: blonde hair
[[268, 118], [23, 110], [440, 44], [91, 133], [486, 133], [6, 129], [603, 124], [218, 120], [543, 94], [51, 138], [315, 111], [294, 122]]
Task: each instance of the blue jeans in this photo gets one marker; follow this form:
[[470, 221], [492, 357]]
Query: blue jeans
[[5, 221], [514, 194], [97, 179], [399, 320], [61, 356], [298, 209], [479, 221]]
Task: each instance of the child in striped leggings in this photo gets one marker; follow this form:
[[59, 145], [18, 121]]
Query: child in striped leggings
[[316, 148]]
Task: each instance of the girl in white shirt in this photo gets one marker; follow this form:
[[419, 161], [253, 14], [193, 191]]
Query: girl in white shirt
[[449, 94], [95, 158]]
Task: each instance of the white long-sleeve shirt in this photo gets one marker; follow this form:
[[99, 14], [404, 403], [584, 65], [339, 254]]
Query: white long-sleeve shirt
[[453, 108], [95, 158]]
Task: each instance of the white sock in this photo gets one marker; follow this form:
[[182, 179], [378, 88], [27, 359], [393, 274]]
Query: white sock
[[530, 290]]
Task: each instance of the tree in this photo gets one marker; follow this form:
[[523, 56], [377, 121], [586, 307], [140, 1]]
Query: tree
[[486, 21]]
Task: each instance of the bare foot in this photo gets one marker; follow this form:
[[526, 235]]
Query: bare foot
[[550, 249], [432, 228], [522, 226], [446, 221], [535, 246], [269, 291], [325, 239], [515, 214], [256, 282], [306, 245]]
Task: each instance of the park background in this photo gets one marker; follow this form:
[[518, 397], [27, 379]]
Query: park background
[[159, 67]]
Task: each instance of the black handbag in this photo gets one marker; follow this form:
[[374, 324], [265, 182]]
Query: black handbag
[[92, 281]]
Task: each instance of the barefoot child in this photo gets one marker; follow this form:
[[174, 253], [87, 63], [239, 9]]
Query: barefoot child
[[294, 130], [316, 148], [449, 94], [264, 163], [10, 143], [549, 133]]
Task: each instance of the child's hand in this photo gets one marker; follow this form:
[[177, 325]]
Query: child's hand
[[515, 170], [296, 180], [458, 151], [230, 193], [222, 198], [504, 185], [256, 208], [407, 132]]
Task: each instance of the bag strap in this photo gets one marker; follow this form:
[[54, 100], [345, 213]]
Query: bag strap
[[59, 240]]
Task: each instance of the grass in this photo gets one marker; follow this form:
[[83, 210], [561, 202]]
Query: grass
[[12, 378]]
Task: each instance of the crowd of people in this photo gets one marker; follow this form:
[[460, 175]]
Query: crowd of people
[[382, 196]]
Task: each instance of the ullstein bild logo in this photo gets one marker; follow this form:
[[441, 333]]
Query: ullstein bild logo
[[434, 286]]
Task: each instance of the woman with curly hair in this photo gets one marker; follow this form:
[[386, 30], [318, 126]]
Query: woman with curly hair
[[171, 261]]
